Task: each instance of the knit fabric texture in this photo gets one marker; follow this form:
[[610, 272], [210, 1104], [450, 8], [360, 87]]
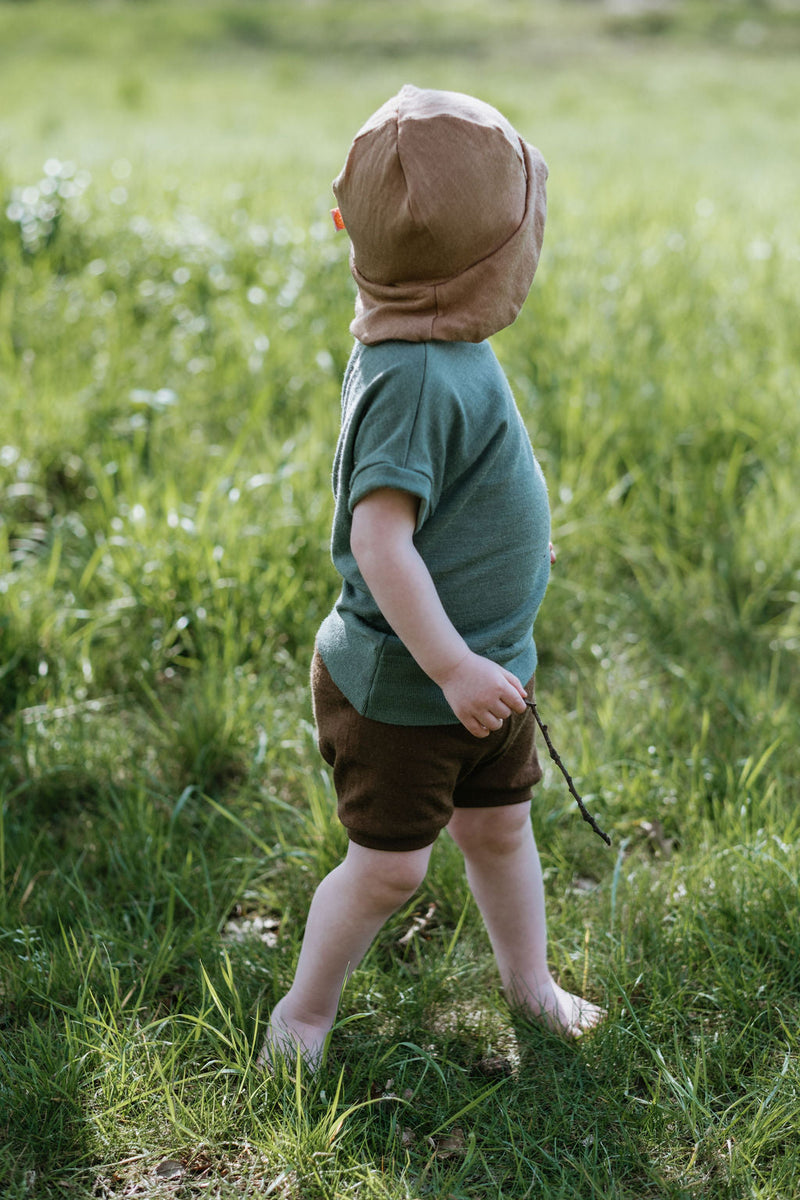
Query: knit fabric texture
[[437, 420]]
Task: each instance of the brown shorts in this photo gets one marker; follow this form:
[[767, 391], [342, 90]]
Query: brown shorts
[[397, 785]]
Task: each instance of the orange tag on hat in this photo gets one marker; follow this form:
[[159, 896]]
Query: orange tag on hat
[[337, 218]]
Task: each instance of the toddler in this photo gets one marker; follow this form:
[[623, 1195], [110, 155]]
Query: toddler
[[441, 537]]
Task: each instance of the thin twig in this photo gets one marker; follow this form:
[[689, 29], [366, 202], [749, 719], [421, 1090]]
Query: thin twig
[[418, 925], [587, 816]]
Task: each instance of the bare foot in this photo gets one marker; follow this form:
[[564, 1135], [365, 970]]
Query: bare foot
[[285, 1037], [558, 1010]]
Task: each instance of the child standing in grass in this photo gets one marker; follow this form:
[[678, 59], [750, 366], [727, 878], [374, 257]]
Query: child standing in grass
[[441, 535]]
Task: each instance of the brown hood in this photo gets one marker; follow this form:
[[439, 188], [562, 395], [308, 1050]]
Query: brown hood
[[444, 204]]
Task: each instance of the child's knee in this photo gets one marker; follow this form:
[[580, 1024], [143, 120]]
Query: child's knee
[[491, 832], [392, 875]]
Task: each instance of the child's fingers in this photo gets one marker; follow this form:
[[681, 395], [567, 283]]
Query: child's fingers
[[483, 695], [514, 699], [475, 727]]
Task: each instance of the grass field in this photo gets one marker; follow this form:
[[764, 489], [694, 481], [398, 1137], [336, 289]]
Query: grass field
[[173, 327]]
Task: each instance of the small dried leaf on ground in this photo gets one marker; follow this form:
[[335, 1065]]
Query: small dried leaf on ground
[[452, 1143], [170, 1168], [201, 1173], [495, 1066]]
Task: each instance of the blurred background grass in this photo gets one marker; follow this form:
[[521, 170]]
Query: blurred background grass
[[196, 93]]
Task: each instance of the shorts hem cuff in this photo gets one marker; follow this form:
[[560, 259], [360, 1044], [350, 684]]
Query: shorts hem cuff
[[391, 844]]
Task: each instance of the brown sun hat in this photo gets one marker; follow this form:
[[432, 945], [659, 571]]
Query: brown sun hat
[[445, 205]]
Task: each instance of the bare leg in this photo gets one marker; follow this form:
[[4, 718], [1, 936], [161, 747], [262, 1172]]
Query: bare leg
[[505, 877], [347, 910]]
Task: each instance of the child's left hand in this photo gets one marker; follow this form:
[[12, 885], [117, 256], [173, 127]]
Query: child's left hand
[[552, 555]]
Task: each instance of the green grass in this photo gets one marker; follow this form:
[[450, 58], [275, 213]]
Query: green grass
[[173, 326]]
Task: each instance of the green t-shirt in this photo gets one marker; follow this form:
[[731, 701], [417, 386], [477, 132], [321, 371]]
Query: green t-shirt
[[437, 419]]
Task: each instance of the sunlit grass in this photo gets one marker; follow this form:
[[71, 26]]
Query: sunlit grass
[[173, 328]]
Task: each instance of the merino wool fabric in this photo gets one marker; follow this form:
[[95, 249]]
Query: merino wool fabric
[[438, 420], [445, 205]]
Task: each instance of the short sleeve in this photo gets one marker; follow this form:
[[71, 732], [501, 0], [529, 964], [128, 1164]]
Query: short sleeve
[[398, 439]]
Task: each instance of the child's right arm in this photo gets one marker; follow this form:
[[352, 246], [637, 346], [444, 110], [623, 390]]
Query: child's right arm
[[480, 693]]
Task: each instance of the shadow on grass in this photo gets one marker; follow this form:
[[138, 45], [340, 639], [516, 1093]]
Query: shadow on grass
[[560, 1120], [568, 1118], [44, 1129]]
